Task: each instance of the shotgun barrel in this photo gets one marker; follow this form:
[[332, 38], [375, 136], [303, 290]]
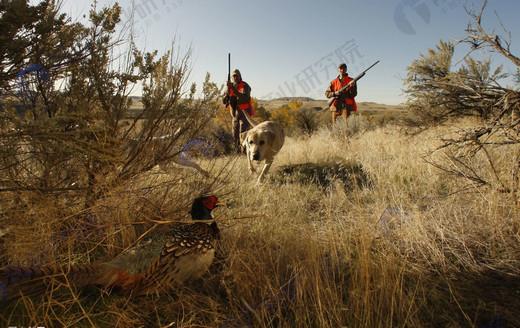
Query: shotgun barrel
[[229, 67]]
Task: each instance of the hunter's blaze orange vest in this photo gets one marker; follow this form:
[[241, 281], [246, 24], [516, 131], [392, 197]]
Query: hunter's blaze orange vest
[[240, 88], [337, 84]]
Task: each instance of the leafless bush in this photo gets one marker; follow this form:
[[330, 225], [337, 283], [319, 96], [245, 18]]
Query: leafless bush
[[437, 93], [307, 120]]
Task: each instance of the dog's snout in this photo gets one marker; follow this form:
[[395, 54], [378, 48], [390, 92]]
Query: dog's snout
[[256, 156]]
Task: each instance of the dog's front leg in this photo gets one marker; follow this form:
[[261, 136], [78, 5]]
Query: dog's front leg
[[265, 169], [250, 163]]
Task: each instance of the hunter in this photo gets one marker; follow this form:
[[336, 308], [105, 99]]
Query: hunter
[[238, 99], [344, 103]]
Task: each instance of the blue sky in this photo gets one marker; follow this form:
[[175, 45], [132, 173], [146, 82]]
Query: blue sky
[[292, 48]]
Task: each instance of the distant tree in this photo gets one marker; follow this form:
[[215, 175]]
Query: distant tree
[[262, 114], [307, 120], [286, 114], [294, 105]]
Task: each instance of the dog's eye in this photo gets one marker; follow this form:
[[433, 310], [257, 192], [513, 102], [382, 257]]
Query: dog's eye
[[251, 142], [262, 142]]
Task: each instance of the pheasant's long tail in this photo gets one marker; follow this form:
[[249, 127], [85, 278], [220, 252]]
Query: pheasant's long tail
[[16, 282]]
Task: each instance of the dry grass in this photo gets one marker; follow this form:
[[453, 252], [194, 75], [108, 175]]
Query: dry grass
[[298, 255], [449, 261]]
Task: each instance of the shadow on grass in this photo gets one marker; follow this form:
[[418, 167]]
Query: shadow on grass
[[350, 174]]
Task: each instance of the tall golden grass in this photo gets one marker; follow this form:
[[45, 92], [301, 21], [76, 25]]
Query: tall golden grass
[[298, 255]]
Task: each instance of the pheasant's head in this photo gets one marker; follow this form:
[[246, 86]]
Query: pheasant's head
[[202, 207]]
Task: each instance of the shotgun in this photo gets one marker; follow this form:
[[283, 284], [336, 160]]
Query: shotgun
[[349, 85], [229, 67], [226, 98]]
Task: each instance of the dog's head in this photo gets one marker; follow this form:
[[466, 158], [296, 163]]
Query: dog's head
[[257, 143]]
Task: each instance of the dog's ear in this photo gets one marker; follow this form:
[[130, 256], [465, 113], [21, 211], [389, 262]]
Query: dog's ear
[[270, 137]]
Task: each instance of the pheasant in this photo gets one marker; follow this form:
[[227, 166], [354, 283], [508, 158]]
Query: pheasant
[[184, 252]]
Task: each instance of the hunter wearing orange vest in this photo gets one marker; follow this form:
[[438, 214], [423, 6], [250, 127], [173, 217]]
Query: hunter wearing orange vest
[[344, 103], [238, 98]]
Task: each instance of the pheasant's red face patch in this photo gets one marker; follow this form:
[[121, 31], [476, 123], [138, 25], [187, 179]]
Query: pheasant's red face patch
[[210, 202]]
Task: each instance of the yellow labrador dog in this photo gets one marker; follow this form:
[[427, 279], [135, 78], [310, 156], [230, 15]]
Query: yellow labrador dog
[[262, 143]]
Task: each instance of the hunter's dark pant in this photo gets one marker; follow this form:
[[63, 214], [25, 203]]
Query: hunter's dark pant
[[240, 124]]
